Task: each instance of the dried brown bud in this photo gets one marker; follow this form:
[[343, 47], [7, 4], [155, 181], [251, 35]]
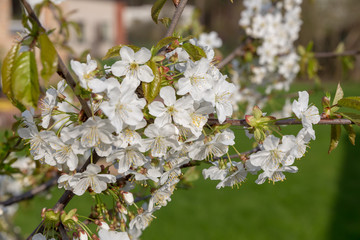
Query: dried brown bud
[[176, 3]]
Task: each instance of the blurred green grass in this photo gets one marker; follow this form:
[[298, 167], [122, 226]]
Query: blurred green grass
[[318, 202]]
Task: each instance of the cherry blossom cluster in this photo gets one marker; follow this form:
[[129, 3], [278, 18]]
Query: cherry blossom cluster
[[273, 158], [147, 140], [273, 28]]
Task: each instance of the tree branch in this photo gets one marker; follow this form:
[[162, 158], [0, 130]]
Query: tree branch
[[323, 121], [32, 193], [237, 52], [335, 54], [62, 69], [176, 18]]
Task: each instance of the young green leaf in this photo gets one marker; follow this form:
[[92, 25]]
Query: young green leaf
[[350, 102], [115, 51], [162, 43], [354, 117], [338, 95], [156, 8], [351, 133], [152, 89], [49, 57], [7, 69], [24, 81], [195, 52], [335, 137]]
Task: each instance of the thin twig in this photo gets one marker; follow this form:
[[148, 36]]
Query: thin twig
[[324, 121], [30, 194], [176, 18], [62, 69], [62, 231], [237, 52], [335, 54]]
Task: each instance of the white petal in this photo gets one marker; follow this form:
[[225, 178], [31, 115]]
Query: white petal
[[142, 56], [168, 94]]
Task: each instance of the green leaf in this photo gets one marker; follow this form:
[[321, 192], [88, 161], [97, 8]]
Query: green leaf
[[350, 102], [335, 137], [49, 57], [152, 89], [162, 43], [7, 69], [195, 52], [354, 117], [25, 83], [156, 8], [338, 95], [351, 133], [115, 51]]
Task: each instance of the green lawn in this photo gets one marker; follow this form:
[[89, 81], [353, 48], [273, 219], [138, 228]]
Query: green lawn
[[321, 201]]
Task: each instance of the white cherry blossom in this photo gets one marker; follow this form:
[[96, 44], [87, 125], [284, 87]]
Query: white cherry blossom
[[132, 66], [84, 71], [171, 109], [80, 182], [308, 114]]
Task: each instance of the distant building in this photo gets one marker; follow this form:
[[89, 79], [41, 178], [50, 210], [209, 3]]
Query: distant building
[[103, 23]]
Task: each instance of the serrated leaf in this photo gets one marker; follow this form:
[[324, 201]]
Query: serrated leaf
[[351, 133], [115, 51], [7, 69], [49, 57], [195, 52], [338, 95], [152, 89], [25, 82], [156, 8], [350, 102], [335, 137], [164, 42], [354, 117]]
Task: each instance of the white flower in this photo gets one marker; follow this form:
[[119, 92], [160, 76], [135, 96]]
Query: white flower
[[237, 176], [308, 114], [48, 104], [126, 157], [159, 139], [129, 135], [123, 107], [40, 148], [67, 149], [222, 99], [63, 182], [199, 117], [178, 110], [196, 80], [211, 146], [112, 235], [210, 39], [84, 71], [96, 133], [90, 178], [273, 154], [39, 236], [277, 175], [215, 172], [132, 66], [142, 220]]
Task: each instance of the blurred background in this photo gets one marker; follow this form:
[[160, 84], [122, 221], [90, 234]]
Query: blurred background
[[319, 202]]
